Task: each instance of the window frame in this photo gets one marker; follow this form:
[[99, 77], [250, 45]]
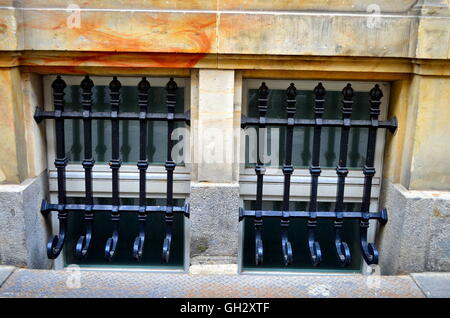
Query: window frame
[[156, 176], [301, 178]]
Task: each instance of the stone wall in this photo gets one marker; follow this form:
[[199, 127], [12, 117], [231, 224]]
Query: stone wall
[[217, 44], [417, 235]]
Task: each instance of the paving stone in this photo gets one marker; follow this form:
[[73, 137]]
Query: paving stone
[[433, 285], [44, 283]]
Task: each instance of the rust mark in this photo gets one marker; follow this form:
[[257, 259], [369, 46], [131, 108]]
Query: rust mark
[[116, 59], [190, 36], [3, 28]]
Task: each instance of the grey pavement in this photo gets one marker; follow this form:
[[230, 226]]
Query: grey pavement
[[50, 283], [5, 272], [433, 285]]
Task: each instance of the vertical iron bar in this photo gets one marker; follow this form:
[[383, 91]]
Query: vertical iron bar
[[114, 164], [171, 88], [143, 88], [56, 243], [84, 242], [263, 93], [369, 251], [314, 170], [342, 250], [288, 169]]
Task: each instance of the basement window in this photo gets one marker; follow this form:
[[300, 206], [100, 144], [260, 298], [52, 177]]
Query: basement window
[[300, 184], [129, 174]]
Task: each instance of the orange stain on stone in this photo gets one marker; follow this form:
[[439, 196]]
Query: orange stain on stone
[[149, 32], [115, 59]]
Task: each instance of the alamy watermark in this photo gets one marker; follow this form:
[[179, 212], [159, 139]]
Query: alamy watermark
[[216, 146], [74, 279], [374, 19], [74, 18]]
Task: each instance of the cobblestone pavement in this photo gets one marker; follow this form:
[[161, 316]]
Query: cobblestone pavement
[[48, 283]]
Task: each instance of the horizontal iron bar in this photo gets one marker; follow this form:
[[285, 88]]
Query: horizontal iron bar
[[41, 114], [47, 207], [391, 124], [381, 216]]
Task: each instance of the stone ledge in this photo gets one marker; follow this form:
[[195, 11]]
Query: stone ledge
[[422, 33]]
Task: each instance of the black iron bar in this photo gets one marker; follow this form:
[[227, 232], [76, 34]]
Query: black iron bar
[[40, 115], [56, 243], [114, 164], [314, 169], [171, 101], [342, 249], [84, 242], [380, 216], [252, 121], [288, 169], [263, 94], [369, 251], [138, 246], [47, 207]]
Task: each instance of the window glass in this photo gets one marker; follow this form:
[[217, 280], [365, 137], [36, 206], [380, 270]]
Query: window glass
[[128, 231], [303, 136], [298, 236], [129, 129]]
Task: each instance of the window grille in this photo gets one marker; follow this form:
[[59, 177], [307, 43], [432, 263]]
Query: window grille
[[369, 251], [56, 243]]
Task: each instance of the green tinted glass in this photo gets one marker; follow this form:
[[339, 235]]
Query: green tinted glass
[[129, 129], [298, 236], [128, 231], [303, 136]]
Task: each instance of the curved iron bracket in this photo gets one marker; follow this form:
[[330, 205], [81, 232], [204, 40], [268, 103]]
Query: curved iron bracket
[[168, 238], [342, 249], [314, 246], [259, 250], [369, 250], [111, 243], [286, 246], [138, 246], [84, 242], [56, 243]]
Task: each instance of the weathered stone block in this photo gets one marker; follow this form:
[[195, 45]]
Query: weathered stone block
[[214, 223], [24, 233], [417, 236]]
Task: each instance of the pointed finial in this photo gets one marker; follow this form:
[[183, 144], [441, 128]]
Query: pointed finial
[[263, 91], [87, 84], [347, 92], [115, 85], [58, 83], [143, 85], [319, 91], [376, 93], [171, 86], [291, 92]]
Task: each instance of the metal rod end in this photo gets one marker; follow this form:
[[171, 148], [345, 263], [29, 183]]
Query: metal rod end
[[187, 210], [241, 214], [45, 207], [394, 126], [38, 115], [383, 217]]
